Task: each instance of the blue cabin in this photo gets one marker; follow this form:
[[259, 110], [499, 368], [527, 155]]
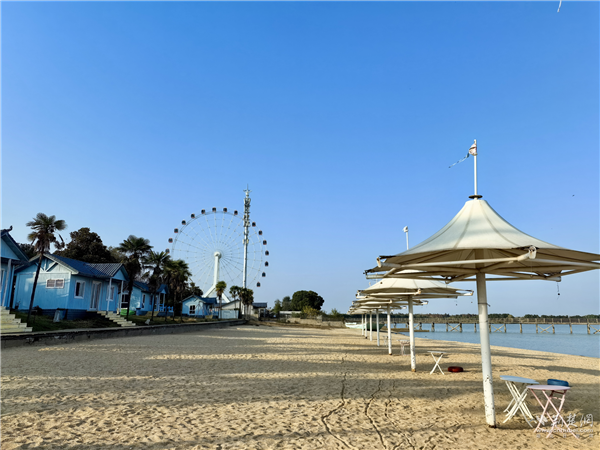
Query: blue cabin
[[12, 258], [143, 300], [74, 286], [197, 306]]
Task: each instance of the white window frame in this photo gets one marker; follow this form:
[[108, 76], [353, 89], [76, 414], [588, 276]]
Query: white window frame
[[55, 283], [82, 283], [192, 309], [143, 301]]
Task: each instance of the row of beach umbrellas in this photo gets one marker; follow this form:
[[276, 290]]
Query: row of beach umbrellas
[[476, 245]]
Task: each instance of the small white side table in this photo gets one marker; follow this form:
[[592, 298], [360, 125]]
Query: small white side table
[[518, 397], [437, 356]]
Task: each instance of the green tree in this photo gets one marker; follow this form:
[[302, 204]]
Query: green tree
[[177, 273], [307, 311], [86, 246], [301, 299], [116, 254], [155, 262], [277, 307], [135, 249], [43, 235], [28, 249], [286, 303], [336, 315], [220, 288], [234, 291], [192, 289], [247, 298]]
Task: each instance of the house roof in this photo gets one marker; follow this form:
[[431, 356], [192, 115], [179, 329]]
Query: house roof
[[142, 286], [98, 270], [83, 269], [259, 305], [109, 269], [12, 244], [163, 289], [208, 301]]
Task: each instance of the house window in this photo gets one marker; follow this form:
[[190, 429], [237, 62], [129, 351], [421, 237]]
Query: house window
[[112, 293], [55, 283], [80, 289], [192, 310], [143, 300]]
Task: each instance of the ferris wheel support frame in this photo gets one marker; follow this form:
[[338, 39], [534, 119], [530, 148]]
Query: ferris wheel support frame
[[213, 288]]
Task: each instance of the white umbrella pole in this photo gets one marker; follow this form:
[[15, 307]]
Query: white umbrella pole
[[486, 356], [389, 325], [371, 326], [377, 319], [362, 325], [411, 333]]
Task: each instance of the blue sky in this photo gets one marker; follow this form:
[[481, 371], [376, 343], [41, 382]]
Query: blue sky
[[342, 117]]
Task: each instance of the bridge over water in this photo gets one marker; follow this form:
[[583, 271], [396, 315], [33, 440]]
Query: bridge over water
[[542, 325]]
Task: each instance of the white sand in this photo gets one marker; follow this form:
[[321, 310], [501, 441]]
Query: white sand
[[273, 387]]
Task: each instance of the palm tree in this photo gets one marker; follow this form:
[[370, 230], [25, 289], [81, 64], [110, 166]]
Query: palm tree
[[247, 297], [155, 262], [41, 237], [135, 250], [177, 273], [234, 291], [220, 288]]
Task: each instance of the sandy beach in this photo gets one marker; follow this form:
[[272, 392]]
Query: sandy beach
[[264, 387]]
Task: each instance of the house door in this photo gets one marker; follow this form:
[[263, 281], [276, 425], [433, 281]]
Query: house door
[[95, 295]]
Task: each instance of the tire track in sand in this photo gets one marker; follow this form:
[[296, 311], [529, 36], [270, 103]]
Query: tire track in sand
[[341, 405]]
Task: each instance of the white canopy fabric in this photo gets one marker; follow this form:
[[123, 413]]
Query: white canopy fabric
[[479, 240], [430, 288], [479, 244]]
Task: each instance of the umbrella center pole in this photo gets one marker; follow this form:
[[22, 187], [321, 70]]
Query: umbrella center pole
[[486, 356], [389, 329], [377, 320], [411, 333]]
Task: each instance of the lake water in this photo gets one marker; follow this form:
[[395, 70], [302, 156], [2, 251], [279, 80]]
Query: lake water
[[579, 343]]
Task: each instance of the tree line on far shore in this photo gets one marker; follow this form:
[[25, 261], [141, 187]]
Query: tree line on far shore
[[305, 304]]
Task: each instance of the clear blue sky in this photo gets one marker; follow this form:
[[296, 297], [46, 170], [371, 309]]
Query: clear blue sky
[[342, 117]]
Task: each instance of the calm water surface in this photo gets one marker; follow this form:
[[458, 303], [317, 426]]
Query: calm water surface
[[579, 343]]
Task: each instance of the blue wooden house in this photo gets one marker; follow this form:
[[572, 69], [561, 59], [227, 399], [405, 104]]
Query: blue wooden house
[[12, 258], [197, 306], [143, 300], [70, 285]]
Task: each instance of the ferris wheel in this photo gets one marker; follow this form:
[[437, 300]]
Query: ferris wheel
[[221, 246]]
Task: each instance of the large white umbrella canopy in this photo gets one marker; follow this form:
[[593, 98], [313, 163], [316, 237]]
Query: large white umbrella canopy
[[398, 286], [479, 241], [479, 244]]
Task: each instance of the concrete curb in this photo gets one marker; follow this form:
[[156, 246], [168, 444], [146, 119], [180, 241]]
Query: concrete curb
[[66, 336]]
